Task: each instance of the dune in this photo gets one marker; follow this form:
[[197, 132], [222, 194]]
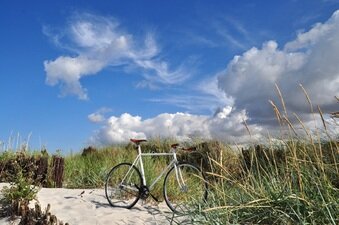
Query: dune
[[89, 206]]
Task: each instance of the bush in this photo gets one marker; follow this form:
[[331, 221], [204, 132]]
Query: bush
[[34, 167], [88, 151], [17, 197], [38, 217]]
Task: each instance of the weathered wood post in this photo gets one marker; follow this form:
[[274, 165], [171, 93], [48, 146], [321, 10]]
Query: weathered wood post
[[41, 172], [58, 170]]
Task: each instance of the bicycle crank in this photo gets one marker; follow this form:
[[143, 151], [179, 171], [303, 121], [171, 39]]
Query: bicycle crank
[[145, 193]]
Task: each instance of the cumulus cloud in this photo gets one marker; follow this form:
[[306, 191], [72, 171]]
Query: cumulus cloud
[[99, 115], [96, 117], [99, 42], [311, 60], [224, 125]]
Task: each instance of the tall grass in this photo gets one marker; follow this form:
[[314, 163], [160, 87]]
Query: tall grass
[[300, 190], [294, 183], [88, 171]]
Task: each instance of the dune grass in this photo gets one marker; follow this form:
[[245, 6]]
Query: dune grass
[[296, 182], [90, 171], [300, 190]]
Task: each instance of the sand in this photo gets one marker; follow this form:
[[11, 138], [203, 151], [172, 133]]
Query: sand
[[89, 206]]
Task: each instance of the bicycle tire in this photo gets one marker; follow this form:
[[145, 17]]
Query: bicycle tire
[[122, 189], [179, 197]]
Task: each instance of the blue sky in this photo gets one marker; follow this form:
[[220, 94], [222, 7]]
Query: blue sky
[[74, 73]]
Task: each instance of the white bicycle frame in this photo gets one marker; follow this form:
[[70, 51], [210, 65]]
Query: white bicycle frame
[[139, 164]]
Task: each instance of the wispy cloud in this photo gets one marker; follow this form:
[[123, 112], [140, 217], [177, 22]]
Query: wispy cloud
[[191, 103], [232, 31], [99, 42], [162, 74], [199, 39], [238, 26], [217, 31], [234, 41], [205, 96]]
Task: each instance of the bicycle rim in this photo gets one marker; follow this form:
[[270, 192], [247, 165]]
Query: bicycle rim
[[122, 186], [184, 189]]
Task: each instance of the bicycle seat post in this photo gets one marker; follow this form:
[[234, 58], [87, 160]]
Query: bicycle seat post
[[174, 151], [139, 148], [137, 142]]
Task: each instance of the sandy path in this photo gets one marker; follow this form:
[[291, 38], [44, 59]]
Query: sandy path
[[89, 206]]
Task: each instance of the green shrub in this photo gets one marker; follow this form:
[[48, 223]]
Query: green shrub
[[17, 197]]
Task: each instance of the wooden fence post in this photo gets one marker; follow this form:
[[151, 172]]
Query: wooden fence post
[[41, 172], [58, 170]]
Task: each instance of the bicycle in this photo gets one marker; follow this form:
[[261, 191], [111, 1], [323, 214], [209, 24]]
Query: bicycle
[[183, 182]]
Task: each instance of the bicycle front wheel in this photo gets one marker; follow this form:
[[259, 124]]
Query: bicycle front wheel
[[122, 186], [184, 185]]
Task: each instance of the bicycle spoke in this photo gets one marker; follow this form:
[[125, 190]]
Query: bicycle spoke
[[183, 186], [119, 193]]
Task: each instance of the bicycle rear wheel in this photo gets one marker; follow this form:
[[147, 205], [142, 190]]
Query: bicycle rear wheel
[[184, 187], [122, 186]]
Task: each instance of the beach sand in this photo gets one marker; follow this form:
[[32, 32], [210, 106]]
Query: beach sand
[[89, 206]]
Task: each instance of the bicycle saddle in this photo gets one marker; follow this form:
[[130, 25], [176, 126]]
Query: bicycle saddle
[[137, 141]]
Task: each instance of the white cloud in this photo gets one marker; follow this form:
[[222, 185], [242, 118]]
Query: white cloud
[[205, 96], [312, 60], [96, 117], [315, 35], [225, 125], [162, 72], [232, 31], [68, 71], [99, 115], [99, 42]]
